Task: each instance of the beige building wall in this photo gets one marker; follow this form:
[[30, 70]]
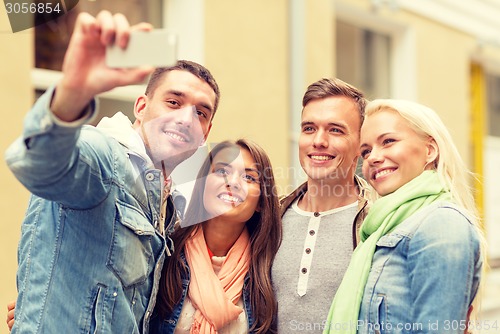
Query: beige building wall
[[246, 49], [16, 95], [320, 40], [443, 58], [443, 69]]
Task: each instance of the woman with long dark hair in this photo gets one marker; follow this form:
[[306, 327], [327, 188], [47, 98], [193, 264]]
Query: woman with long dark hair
[[219, 276]]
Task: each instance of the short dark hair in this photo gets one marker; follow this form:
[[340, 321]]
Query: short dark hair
[[195, 69], [325, 88]]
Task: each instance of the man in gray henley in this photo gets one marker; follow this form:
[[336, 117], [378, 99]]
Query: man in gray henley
[[321, 218]]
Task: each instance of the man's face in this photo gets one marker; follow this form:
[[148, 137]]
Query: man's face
[[329, 138], [175, 119]]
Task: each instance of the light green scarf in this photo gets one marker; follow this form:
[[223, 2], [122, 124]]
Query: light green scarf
[[385, 214]]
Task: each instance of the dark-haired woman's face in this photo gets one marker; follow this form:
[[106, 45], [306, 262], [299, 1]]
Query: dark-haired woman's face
[[232, 188]]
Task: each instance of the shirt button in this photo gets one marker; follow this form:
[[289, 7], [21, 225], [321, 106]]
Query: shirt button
[[150, 176], [115, 294], [311, 232], [308, 250], [304, 270], [316, 214]]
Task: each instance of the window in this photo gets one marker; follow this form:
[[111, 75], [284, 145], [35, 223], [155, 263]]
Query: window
[[52, 38], [363, 59], [493, 104], [491, 162]]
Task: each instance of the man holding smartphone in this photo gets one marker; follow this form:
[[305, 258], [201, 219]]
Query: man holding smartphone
[[96, 230]]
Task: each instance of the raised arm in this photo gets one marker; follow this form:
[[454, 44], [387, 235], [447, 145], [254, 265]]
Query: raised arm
[[85, 73], [52, 158]]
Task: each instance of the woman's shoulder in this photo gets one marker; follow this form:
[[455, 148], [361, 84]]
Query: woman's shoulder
[[445, 213], [437, 219], [444, 220]]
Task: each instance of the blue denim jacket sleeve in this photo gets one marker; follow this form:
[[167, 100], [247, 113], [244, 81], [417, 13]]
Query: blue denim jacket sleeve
[[52, 160], [443, 261]]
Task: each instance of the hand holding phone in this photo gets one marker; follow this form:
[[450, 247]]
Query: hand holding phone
[[156, 48]]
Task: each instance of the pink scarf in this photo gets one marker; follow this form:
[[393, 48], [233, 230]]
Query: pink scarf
[[215, 296]]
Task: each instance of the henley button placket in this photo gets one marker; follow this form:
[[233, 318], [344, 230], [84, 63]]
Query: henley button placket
[[307, 255]]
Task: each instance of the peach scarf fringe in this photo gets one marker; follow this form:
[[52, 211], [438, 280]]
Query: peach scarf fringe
[[215, 296]]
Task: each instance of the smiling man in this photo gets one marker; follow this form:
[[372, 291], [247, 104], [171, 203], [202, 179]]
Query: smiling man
[[95, 234], [321, 218]]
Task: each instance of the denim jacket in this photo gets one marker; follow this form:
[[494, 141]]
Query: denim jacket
[[89, 257], [424, 275], [167, 325]]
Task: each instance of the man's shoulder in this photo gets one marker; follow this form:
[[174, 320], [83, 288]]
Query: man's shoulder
[[287, 200]]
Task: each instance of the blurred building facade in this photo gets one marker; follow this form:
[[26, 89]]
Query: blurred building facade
[[442, 53]]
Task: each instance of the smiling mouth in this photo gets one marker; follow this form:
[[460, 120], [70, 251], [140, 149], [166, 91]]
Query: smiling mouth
[[321, 157], [176, 136], [230, 199], [383, 173]]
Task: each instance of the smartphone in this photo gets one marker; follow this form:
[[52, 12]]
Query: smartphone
[[156, 48]]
